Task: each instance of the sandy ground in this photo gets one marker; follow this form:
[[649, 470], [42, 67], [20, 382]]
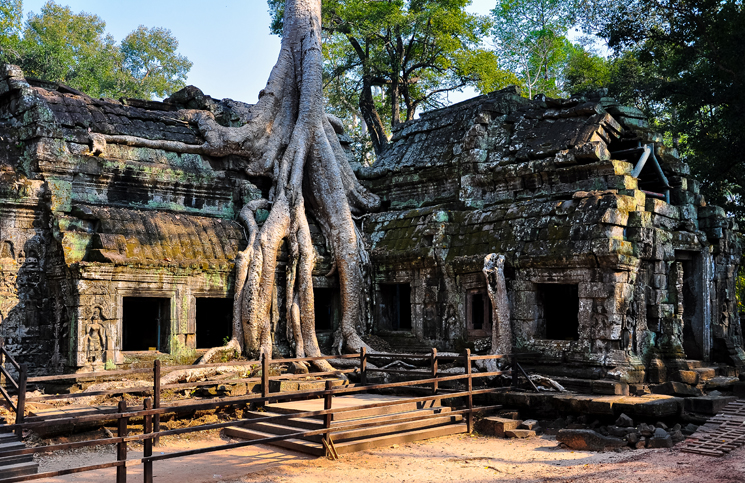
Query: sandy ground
[[458, 458]]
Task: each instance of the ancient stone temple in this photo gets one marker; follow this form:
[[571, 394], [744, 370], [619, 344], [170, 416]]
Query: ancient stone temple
[[615, 265]]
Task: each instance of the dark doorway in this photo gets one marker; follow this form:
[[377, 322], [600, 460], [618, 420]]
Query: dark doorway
[[214, 322], [324, 302], [395, 307], [479, 318], [145, 323], [560, 310], [692, 292]]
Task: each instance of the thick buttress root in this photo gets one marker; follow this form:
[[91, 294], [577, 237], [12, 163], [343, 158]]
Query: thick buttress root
[[501, 339], [290, 138]]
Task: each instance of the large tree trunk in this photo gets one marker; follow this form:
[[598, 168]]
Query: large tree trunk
[[501, 339], [290, 138]]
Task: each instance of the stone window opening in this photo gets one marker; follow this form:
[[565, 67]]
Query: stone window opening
[[558, 311], [325, 303], [214, 321], [395, 306], [146, 323], [478, 313]]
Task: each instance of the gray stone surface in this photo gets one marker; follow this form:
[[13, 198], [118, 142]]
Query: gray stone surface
[[586, 439]]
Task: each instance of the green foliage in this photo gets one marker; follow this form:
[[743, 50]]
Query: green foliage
[[586, 71], [150, 65], [11, 20], [684, 60], [109, 366], [180, 354], [530, 40], [74, 49], [740, 289], [386, 61]]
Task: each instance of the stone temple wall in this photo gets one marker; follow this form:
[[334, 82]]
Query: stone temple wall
[[90, 226], [611, 272], [638, 262]]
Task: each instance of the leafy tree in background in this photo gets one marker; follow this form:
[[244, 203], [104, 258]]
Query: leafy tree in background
[[399, 56], [74, 49], [530, 38], [684, 62], [149, 63], [11, 19]]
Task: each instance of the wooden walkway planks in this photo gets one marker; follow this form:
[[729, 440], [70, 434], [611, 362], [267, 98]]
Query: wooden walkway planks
[[721, 434]]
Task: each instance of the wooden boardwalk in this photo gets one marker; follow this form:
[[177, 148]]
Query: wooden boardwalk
[[721, 434]]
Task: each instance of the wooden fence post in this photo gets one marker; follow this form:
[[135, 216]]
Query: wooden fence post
[[2, 360], [264, 375], [328, 417], [467, 359], [434, 365], [363, 366], [21, 403], [121, 448], [156, 399], [147, 427]]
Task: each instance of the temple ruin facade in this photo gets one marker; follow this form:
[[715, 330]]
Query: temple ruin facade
[[616, 266]]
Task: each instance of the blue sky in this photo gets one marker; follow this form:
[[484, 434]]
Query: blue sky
[[227, 40]]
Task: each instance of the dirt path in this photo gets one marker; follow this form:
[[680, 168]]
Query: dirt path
[[455, 458]]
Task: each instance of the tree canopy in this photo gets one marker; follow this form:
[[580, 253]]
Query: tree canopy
[[396, 57], [59, 45], [682, 63]]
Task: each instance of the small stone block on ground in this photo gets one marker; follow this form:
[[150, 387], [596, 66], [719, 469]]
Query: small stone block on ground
[[588, 440], [528, 424], [519, 433], [708, 405], [496, 426]]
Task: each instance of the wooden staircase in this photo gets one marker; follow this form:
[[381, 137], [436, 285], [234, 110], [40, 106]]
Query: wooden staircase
[[11, 466], [395, 424]]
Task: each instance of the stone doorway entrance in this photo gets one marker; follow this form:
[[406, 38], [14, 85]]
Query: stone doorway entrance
[[145, 323]]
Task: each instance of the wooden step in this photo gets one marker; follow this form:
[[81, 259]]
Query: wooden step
[[10, 446], [394, 428], [19, 469], [8, 437], [385, 426], [313, 423], [299, 445], [351, 401], [317, 449], [11, 460], [400, 438]]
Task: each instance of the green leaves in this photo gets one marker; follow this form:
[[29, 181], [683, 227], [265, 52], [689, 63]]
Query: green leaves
[[683, 60], [74, 49], [530, 40], [150, 64]]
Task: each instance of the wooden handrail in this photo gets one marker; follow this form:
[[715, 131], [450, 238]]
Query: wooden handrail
[[152, 412]]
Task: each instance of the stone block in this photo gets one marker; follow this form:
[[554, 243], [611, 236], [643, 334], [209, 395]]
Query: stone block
[[662, 442], [612, 388], [686, 377], [494, 426], [738, 389], [519, 433], [588, 440], [709, 405], [529, 424], [672, 388], [649, 406]]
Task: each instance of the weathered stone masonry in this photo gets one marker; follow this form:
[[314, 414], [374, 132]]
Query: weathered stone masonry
[[606, 277], [548, 183]]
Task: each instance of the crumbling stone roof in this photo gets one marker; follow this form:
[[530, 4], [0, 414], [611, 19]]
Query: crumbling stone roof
[[122, 236]]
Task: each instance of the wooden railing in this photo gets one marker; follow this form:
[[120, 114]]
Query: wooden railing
[[151, 410]]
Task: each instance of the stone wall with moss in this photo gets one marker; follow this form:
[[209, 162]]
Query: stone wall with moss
[[549, 183]]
